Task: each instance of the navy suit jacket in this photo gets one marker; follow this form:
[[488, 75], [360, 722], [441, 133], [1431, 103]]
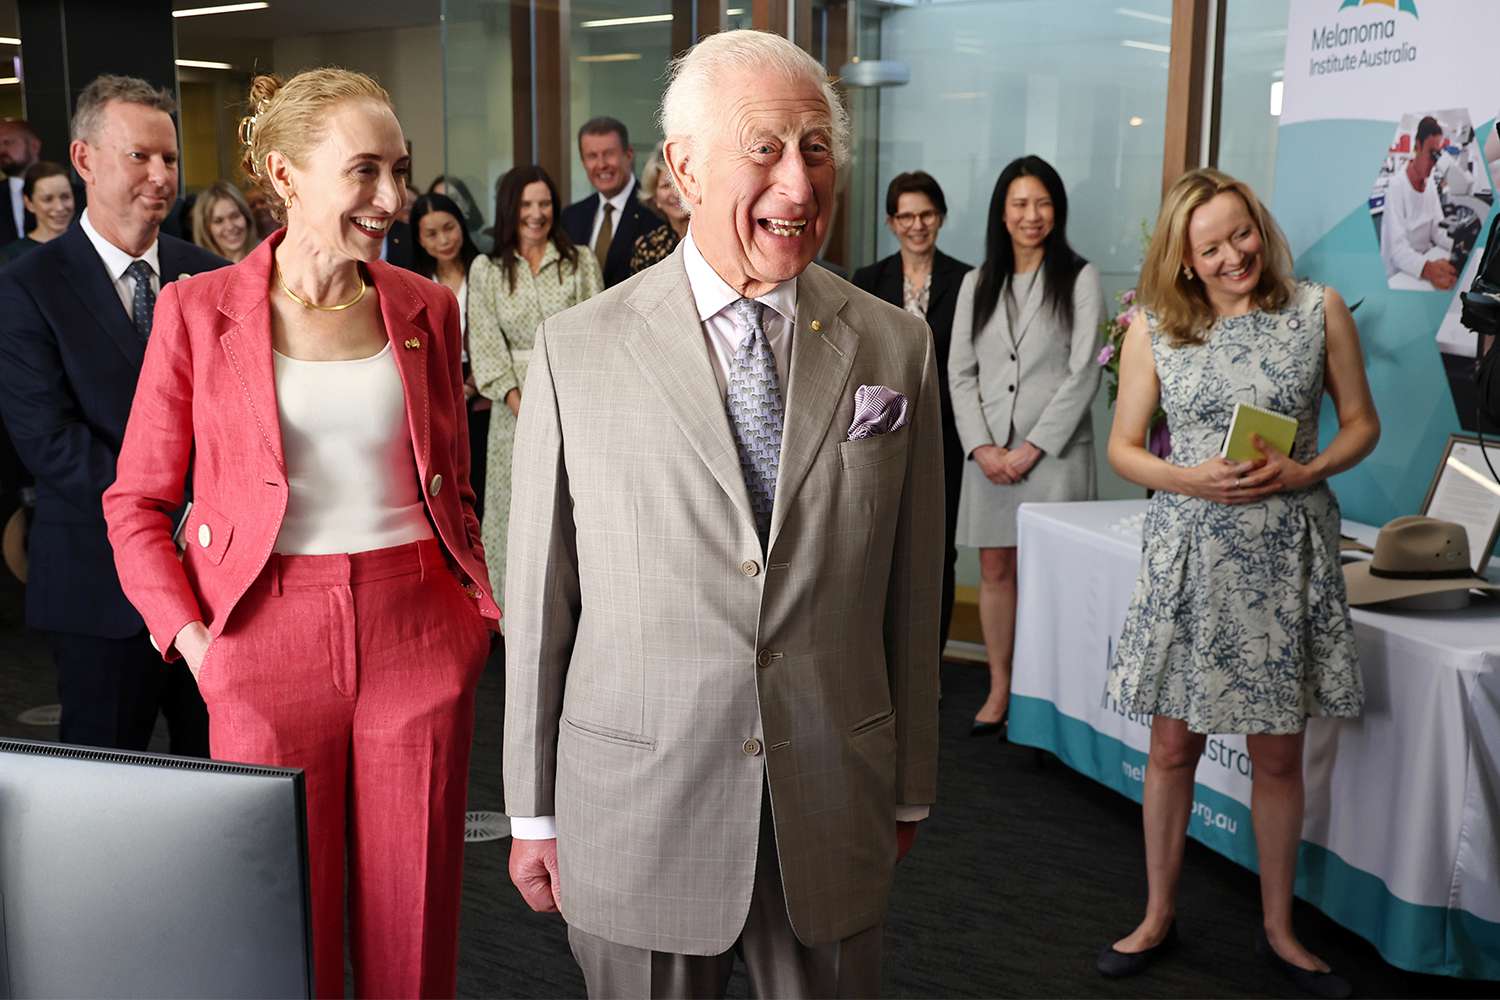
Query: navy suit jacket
[[69, 359], [8, 232], [636, 220]]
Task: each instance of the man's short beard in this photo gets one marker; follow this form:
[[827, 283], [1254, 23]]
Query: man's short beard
[[13, 169]]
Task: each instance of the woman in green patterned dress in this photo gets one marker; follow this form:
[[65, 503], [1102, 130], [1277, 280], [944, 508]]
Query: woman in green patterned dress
[[1239, 623], [534, 272]]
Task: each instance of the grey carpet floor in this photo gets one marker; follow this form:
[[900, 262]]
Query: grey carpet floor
[[1023, 872]]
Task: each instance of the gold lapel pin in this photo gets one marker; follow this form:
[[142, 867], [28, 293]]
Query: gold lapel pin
[[412, 344], [183, 275], [816, 326]]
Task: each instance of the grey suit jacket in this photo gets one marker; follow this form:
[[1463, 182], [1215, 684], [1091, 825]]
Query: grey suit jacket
[[661, 670], [1034, 383]]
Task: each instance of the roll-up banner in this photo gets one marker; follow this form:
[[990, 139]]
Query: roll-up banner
[[1386, 152]]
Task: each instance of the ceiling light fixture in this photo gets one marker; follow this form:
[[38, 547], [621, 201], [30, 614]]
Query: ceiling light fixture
[[6, 81], [1131, 43], [227, 8], [201, 64], [1136, 121], [5, 40], [617, 22], [612, 57]]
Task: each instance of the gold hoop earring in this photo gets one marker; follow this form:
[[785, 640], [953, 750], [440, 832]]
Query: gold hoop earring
[[1187, 272]]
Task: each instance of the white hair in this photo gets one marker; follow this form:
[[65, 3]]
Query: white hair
[[691, 104]]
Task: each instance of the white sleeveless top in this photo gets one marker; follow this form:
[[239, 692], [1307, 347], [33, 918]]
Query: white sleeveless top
[[352, 476]]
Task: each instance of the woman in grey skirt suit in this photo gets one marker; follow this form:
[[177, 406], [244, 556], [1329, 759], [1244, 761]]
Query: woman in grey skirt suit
[[1023, 374]]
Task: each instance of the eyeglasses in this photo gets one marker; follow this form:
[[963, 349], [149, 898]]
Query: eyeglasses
[[906, 220]]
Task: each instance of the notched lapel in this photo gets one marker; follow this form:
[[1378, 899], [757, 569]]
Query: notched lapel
[[247, 345], [821, 361], [85, 272], [1029, 308], [399, 308], [674, 359]]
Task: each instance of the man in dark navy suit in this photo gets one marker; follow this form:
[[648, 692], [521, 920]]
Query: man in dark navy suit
[[610, 220], [20, 147], [75, 315]]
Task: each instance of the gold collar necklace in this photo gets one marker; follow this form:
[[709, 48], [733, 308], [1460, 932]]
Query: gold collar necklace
[[363, 287]]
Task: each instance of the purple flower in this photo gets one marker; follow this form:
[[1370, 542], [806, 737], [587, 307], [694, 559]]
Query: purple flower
[[1160, 441], [1106, 354], [1127, 297]]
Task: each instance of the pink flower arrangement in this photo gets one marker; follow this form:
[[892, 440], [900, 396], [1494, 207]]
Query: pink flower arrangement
[[1159, 439]]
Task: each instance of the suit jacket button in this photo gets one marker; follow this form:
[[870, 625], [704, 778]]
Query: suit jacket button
[[1010, 388], [436, 484], [205, 536], [750, 567], [752, 747], [764, 658]]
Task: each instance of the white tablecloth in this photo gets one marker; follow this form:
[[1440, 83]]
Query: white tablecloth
[[1401, 842]]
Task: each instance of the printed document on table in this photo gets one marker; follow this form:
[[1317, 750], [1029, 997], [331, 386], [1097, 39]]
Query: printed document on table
[[1467, 494]]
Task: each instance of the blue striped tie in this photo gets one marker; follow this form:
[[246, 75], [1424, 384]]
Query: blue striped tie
[[756, 414]]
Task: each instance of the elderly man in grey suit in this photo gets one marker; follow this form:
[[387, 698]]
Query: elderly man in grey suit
[[722, 597]]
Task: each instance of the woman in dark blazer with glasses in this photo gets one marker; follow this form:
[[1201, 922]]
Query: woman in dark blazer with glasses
[[924, 281]]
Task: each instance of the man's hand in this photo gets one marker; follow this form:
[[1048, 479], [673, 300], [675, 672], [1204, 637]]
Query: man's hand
[[906, 835], [1441, 273], [513, 400], [533, 870]]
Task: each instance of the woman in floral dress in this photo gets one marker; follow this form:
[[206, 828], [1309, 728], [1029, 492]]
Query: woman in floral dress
[[1239, 623], [534, 272]]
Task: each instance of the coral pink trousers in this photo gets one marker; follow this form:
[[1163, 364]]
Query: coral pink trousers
[[360, 669]]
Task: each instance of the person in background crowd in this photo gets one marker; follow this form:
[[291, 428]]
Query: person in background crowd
[[1023, 374], [722, 670], [1412, 238], [47, 193], [924, 281], [261, 212], [444, 252], [535, 272], [455, 188], [222, 222], [331, 597], [609, 221], [658, 194], [75, 315], [1239, 623], [20, 147]]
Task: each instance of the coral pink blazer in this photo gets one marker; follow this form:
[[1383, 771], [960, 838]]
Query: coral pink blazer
[[206, 401]]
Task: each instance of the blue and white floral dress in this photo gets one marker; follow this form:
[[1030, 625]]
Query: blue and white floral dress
[[1239, 622]]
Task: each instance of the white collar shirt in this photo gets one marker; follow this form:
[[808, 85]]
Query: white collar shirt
[[117, 261], [618, 201], [17, 206], [721, 327]]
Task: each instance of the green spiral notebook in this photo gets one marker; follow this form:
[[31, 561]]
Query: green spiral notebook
[[1275, 429]]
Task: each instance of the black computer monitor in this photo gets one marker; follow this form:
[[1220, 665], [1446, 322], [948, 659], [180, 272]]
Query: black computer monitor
[[139, 875]]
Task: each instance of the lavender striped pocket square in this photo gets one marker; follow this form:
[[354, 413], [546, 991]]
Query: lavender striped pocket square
[[877, 410]]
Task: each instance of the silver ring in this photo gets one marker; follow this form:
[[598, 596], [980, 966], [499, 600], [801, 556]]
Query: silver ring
[[1239, 484]]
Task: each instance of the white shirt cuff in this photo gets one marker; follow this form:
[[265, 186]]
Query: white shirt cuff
[[533, 827], [911, 814]]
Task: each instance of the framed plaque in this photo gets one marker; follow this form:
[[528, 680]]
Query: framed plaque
[[1465, 491]]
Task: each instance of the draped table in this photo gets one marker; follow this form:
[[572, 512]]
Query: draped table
[[1400, 842]]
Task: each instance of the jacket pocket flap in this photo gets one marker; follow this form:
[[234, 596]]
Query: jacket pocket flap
[[208, 531]]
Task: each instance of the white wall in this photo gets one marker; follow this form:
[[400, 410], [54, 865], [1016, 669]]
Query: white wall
[[408, 62]]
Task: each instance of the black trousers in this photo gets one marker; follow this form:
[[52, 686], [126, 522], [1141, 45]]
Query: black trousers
[[112, 689]]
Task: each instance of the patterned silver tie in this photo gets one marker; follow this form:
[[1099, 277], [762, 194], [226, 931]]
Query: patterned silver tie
[[144, 303], [756, 414]]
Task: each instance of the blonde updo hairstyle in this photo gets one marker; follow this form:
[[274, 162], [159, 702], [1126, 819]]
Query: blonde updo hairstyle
[[1178, 304], [291, 117]]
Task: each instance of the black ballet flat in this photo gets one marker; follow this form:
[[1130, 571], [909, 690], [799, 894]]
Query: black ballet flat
[[1329, 984], [1120, 964], [990, 728]]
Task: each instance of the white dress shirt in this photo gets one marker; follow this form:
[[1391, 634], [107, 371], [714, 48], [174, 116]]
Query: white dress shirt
[[618, 201], [17, 206], [723, 334], [1410, 230], [116, 261]]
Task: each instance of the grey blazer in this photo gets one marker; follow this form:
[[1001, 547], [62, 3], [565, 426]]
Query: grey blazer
[[661, 671], [1034, 383]]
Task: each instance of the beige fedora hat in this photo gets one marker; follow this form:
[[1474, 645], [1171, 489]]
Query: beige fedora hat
[[1414, 555]]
